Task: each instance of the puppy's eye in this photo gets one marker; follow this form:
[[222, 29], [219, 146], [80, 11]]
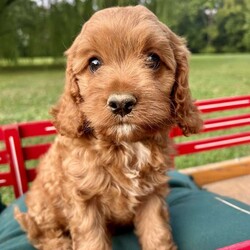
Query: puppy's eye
[[94, 64], [153, 61]]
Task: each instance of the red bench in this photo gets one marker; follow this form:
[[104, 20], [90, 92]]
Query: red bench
[[15, 154]]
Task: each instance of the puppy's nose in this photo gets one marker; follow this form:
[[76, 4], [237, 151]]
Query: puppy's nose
[[121, 104]]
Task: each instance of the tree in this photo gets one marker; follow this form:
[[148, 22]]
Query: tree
[[31, 30], [8, 34], [232, 25]]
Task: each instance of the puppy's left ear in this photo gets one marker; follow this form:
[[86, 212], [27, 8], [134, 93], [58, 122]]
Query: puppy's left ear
[[69, 118], [184, 111]]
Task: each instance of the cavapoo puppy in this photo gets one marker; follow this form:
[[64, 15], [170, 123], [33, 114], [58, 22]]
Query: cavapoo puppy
[[126, 87]]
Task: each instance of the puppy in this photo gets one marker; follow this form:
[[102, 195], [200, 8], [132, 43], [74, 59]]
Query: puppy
[[126, 87]]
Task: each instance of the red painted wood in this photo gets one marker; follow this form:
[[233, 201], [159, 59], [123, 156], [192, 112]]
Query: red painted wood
[[223, 100], [35, 151], [1, 134], [3, 157], [226, 122], [176, 131], [38, 128], [212, 105], [31, 174], [6, 179], [212, 143], [218, 124], [17, 166], [245, 245]]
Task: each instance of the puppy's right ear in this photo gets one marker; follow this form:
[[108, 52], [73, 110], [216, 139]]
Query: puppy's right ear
[[69, 119], [184, 111]]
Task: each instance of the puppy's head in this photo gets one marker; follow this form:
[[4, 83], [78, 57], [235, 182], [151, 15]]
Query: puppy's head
[[126, 79]]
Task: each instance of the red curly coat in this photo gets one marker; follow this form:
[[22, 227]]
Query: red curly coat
[[104, 169]]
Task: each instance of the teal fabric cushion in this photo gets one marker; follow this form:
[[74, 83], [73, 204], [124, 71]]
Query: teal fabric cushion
[[200, 220], [11, 235]]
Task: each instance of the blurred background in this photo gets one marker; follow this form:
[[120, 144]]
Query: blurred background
[[45, 28], [35, 33]]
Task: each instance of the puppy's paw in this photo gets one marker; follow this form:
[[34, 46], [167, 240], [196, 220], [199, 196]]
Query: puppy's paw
[[20, 217]]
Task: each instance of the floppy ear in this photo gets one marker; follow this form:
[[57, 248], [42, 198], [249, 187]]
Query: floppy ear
[[68, 119], [184, 111]]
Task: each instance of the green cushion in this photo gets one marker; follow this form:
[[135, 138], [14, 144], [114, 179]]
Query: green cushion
[[200, 220], [11, 235]]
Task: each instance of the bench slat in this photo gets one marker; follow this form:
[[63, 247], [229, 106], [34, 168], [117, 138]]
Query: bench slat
[[218, 124], [1, 135], [31, 174], [35, 151], [212, 143], [6, 179], [16, 161], [226, 122], [40, 128], [3, 157], [212, 105]]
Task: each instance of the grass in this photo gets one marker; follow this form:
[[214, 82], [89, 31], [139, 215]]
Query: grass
[[27, 93], [213, 76], [31, 63]]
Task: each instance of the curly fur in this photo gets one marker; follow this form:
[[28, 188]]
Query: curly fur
[[105, 171]]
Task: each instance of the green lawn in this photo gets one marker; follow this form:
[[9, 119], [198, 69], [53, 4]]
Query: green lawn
[[213, 76], [26, 94]]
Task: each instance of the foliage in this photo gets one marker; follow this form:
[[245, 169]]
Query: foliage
[[31, 28]]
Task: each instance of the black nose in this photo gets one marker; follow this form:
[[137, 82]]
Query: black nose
[[121, 104]]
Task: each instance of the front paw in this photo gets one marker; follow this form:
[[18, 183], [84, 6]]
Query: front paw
[[92, 245], [158, 243], [171, 246], [161, 247]]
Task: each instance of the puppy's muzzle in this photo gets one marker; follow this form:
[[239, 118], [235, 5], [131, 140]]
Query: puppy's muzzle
[[121, 104]]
